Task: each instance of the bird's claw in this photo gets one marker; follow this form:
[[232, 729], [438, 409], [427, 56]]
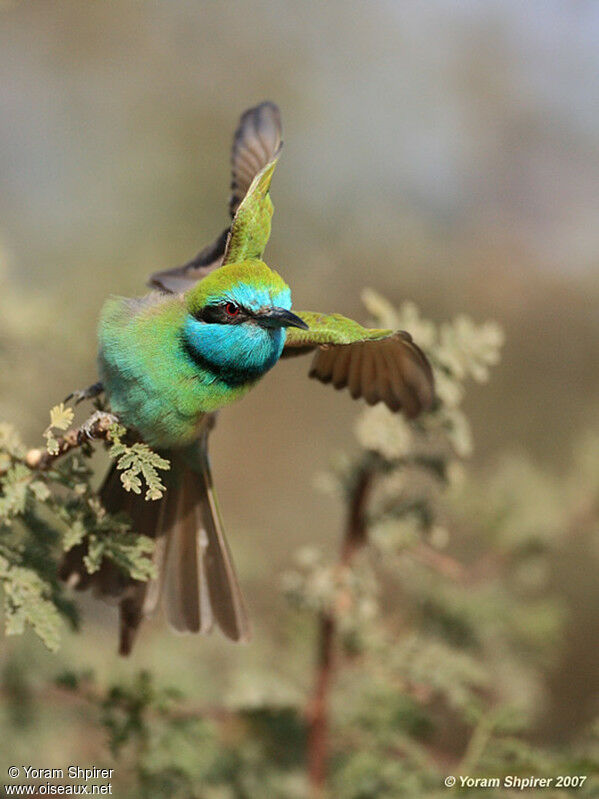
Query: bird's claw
[[85, 393], [86, 431]]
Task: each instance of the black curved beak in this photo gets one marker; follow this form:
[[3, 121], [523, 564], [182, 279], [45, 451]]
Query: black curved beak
[[281, 317]]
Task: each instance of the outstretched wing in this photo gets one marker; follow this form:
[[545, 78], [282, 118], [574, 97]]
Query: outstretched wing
[[250, 230], [256, 142], [378, 365]]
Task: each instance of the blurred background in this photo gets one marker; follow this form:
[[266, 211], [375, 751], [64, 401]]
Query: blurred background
[[441, 152]]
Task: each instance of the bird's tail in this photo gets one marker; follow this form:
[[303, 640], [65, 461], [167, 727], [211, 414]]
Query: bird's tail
[[195, 577]]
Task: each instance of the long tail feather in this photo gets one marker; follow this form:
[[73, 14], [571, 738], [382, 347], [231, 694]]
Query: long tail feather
[[226, 600], [181, 585]]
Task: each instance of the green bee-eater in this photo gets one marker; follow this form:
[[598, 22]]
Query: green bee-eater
[[201, 340]]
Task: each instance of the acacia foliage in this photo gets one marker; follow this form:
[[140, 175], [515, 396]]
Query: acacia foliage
[[44, 512]]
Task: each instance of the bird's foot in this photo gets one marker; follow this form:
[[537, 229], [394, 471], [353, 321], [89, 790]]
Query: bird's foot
[[91, 392], [98, 422]]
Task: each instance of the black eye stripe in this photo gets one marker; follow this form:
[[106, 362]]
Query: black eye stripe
[[217, 314]]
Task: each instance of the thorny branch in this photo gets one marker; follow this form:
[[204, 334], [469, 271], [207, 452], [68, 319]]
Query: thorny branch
[[354, 539]]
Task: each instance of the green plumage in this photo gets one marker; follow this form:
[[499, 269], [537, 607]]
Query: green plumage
[[331, 329], [146, 362], [170, 360], [251, 229]]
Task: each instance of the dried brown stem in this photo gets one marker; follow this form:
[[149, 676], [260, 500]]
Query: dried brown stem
[[96, 427], [355, 538]]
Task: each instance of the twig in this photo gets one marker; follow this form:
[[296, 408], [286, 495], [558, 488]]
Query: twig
[[477, 744], [96, 427], [354, 539]]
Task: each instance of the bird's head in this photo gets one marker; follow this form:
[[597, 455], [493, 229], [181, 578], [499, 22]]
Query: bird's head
[[249, 292], [236, 320]]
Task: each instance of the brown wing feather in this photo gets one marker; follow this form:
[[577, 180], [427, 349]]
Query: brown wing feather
[[341, 362], [354, 375], [367, 383], [399, 386], [257, 140], [392, 370], [323, 366]]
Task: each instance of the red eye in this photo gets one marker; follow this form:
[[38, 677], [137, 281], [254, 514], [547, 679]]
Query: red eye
[[231, 309]]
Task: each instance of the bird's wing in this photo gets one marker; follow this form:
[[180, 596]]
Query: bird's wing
[[378, 365], [256, 142], [250, 229]]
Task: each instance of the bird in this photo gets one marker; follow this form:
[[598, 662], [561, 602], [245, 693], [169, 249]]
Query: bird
[[204, 336]]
